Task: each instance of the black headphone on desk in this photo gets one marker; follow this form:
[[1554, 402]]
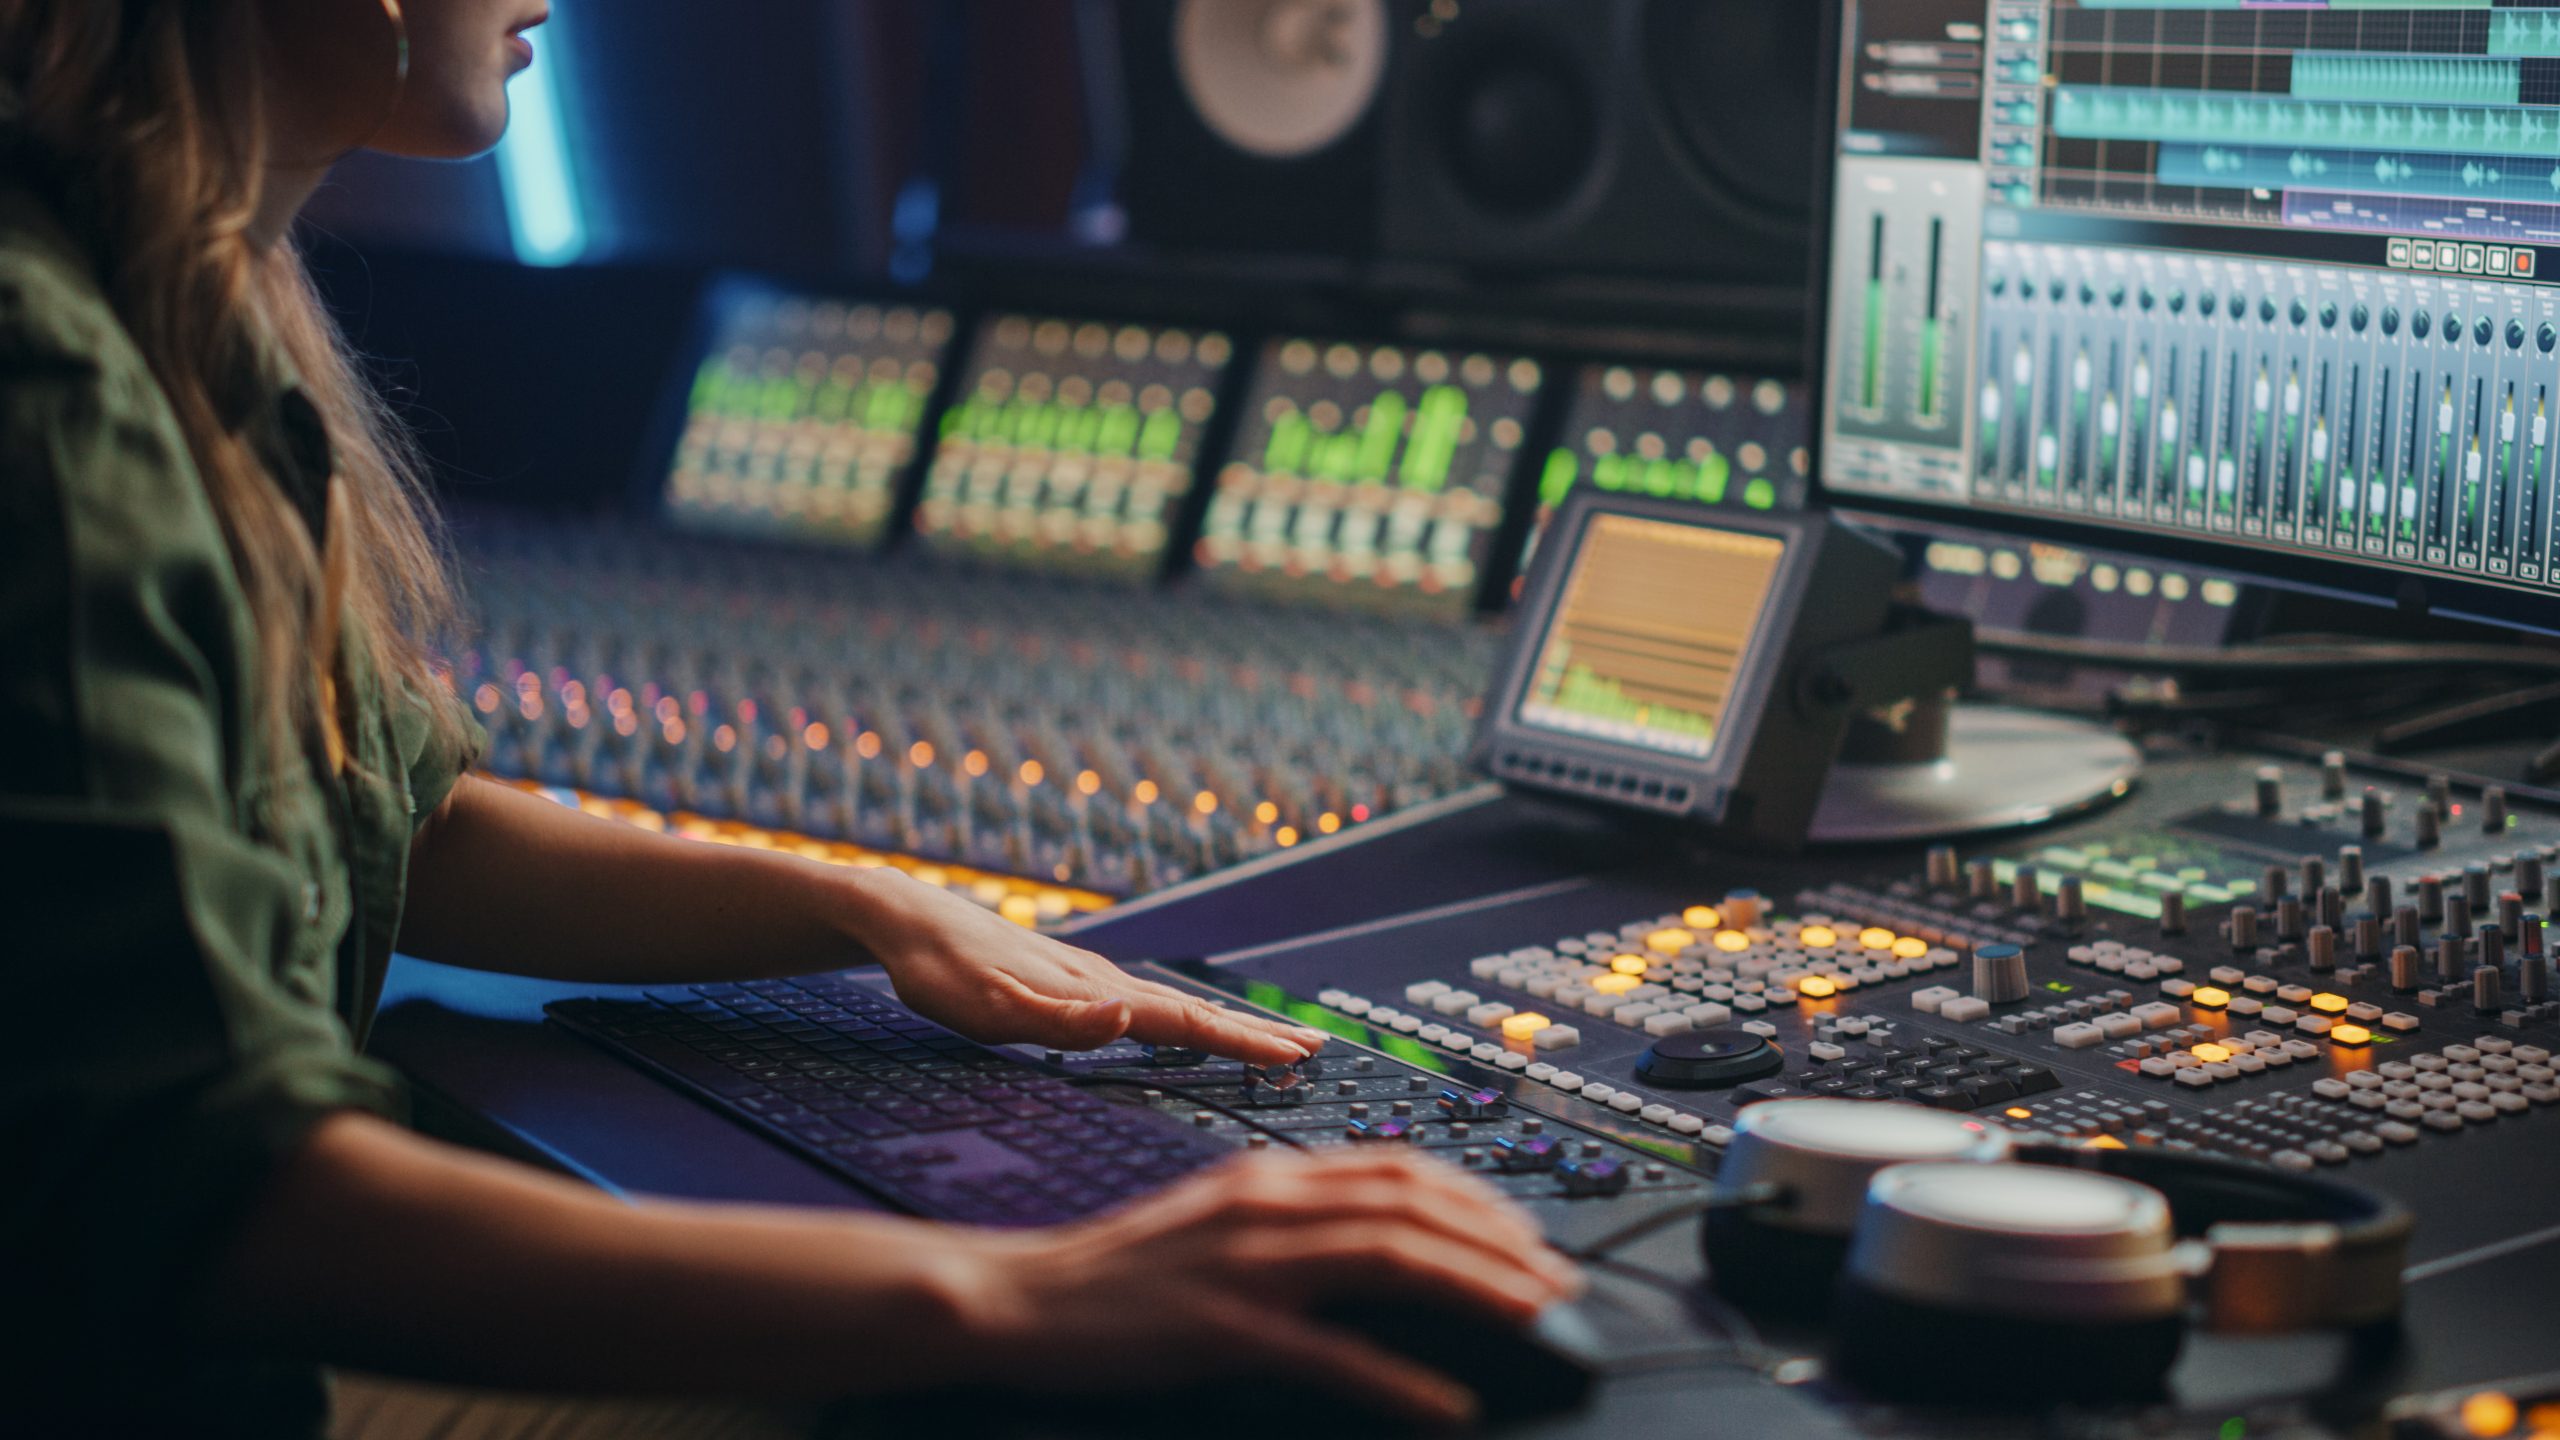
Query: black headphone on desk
[[2080, 1269]]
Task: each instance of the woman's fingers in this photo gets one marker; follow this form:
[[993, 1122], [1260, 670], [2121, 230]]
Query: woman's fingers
[[1171, 1018]]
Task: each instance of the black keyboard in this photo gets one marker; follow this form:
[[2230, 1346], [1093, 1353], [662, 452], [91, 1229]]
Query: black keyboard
[[933, 1123]]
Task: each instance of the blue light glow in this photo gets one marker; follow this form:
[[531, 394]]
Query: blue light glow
[[541, 182]]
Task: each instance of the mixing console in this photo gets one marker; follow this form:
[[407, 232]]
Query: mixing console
[[2311, 970], [1109, 741], [1369, 472], [1072, 443], [803, 418]]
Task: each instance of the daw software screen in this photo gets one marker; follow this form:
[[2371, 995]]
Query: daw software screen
[[1656, 621], [2273, 276]]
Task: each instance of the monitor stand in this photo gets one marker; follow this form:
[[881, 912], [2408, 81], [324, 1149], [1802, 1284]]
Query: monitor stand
[[1944, 768]]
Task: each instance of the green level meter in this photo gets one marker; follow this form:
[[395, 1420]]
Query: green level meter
[[2137, 895]]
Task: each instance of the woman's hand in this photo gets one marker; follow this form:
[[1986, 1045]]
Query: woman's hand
[[994, 981], [1216, 1278]]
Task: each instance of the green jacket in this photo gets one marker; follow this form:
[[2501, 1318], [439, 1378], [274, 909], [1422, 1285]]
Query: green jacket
[[187, 984]]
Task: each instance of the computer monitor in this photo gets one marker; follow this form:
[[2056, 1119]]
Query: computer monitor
[[2259, 287]]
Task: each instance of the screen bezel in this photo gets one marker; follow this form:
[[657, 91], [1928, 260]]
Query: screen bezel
[[2411, 591], [1755, 681]]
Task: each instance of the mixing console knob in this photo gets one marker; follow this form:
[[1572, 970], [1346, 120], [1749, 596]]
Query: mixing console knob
[[2430, 826], [2322, 948], [2533, 980], [1742, 909], [2488, 990], [2373, 813], [2270, 789], [1523, 1157], [1473, 1104], [2071, 905], [2529, 935], [2273, 884], [2475, 887], [1999, 974], [2510, 912], [2243, 928], [2551, 895], [1591, 1178], [2529, 875], [2350, 867], [2315, 873], [2440, 793], [2493, 948], [2457, 914], [2430, 897], [1944, 872], [2493, 810], [2330, 908], [2333, 776], [2173, 913], [2450, 959], [1708, 1060], [2377, 894], [1982, 879], [2404, 969], [2025, 891], [2368, 936], [2289, 918]]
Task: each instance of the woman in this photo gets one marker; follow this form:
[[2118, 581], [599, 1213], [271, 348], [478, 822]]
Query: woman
[[228, 785]]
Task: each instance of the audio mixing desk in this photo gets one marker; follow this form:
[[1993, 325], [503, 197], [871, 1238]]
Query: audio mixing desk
[[2191, 970]]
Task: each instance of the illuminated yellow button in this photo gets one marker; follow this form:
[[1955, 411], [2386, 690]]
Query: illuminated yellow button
[[1669, 942], [2211, 1054], [1817, 987], [1730, 940], [2328, 1004], [1819, 937], [1876, 937], [2106, 1142], [2212, 997], [1615, 984], [2489, 1414], [1524, 1027], [1910, 947], [2019, 1112], [1021, 910], [2345, 1034], [1629, 964], [1701, 917]]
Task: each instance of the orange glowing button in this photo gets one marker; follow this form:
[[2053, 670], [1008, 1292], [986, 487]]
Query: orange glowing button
[[1819, 937], [1524, 1027], [1701, 917], [1629, 964], [2019, 1112], [2489, 1414], [1910, 947], [1817, 987], [1615, 984], [2543, 1419], [1669, 942], [2328, 1004], [2106, 1142], [2345, 1034], [2212, 997], [1876, 937], [2211, 1054], [1731, 940]]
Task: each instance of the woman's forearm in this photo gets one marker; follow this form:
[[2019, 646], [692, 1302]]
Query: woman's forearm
[[504, 880], [376, 1249]]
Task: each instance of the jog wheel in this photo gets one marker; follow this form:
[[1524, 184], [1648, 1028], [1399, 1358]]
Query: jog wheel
[[1708, 1060]]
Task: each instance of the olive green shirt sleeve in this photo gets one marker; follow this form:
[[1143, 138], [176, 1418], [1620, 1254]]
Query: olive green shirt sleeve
[[170, 970]]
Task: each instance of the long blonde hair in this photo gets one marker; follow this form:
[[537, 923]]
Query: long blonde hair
[[144, 115]]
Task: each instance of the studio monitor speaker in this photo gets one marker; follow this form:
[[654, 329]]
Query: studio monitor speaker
[[1661, 138], [1253, 124]]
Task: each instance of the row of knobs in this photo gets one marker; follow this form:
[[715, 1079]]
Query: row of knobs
[[1113, 739], [2373, 812]]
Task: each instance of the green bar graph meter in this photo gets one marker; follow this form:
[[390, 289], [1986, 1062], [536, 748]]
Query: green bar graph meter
[[1369, 475], [804, 414], [1071, 446]]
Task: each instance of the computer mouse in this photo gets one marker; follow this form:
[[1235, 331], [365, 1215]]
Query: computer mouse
[[1517, 1372]]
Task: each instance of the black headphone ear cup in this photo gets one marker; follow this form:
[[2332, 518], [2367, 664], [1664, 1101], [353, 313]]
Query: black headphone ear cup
[[1769, 1269], [1899, 1349]]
